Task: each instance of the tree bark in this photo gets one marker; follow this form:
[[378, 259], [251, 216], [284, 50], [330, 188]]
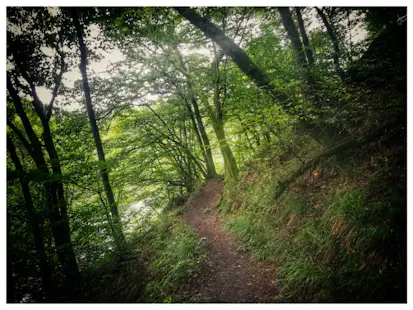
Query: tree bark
[[293, 35], [230, 164], [45, 268], [205, 144], [231, 168], [333, 37], [209, 159], [234, 51], [210, 168], [10, 280], [119, 238], [310, 93], [217, 119], [306, 42], [56, 203], [240, 58]]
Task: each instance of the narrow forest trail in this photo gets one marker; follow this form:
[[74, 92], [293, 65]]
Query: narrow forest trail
[[228, 275]]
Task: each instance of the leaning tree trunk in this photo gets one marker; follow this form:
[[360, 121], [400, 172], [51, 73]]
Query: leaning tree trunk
[[119, 237], [234, 51], [56, 203], [241, 59], [306, 42], [333, 37], [45, 268]]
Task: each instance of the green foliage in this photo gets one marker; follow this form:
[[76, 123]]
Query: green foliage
[[332, 245], [331, 241], [307, 277], [197, 189], [177, 258], [258, 235]]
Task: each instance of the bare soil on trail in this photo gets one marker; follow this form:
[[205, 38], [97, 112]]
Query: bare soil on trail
[[228, 276]]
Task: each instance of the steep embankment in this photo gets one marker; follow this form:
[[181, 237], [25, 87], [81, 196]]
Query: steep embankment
[[338, 231], [228, 274]]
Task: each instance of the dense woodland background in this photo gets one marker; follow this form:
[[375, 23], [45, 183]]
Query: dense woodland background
[[299, 112]]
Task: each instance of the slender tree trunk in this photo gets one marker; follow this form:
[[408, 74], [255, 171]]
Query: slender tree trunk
[[230, 164], [245, 130], [217, 119], [119, 237], [205, 144], [45, 268], [56, 208], [60, 218], [300, 59], [231, 168], [209, 159], [10, 280], [195, 127], [306, 42], [311, 92], [239, 57], [333, 37], [293, 35]]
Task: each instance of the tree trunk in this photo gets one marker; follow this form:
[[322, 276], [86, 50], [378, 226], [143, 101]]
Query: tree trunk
[[205, 144], [306, 42], [119, 237], [293, 35], [230, 164], [45, 268], [217, 119], [333, 37], [234, 51], [240, 58], [310, 93], [10, 280], [209, 159], [54, 190], [300, 59], [231, 168]]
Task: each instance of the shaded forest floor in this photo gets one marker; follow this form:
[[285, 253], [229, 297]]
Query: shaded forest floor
[[228, 275]]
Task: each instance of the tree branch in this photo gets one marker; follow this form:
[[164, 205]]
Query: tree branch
[[20, 135], [57, 85]]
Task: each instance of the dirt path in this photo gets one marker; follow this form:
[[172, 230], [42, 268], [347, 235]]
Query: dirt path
[[228, 275]]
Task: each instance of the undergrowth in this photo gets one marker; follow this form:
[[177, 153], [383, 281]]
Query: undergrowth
[[336, 235], [175, 259]]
